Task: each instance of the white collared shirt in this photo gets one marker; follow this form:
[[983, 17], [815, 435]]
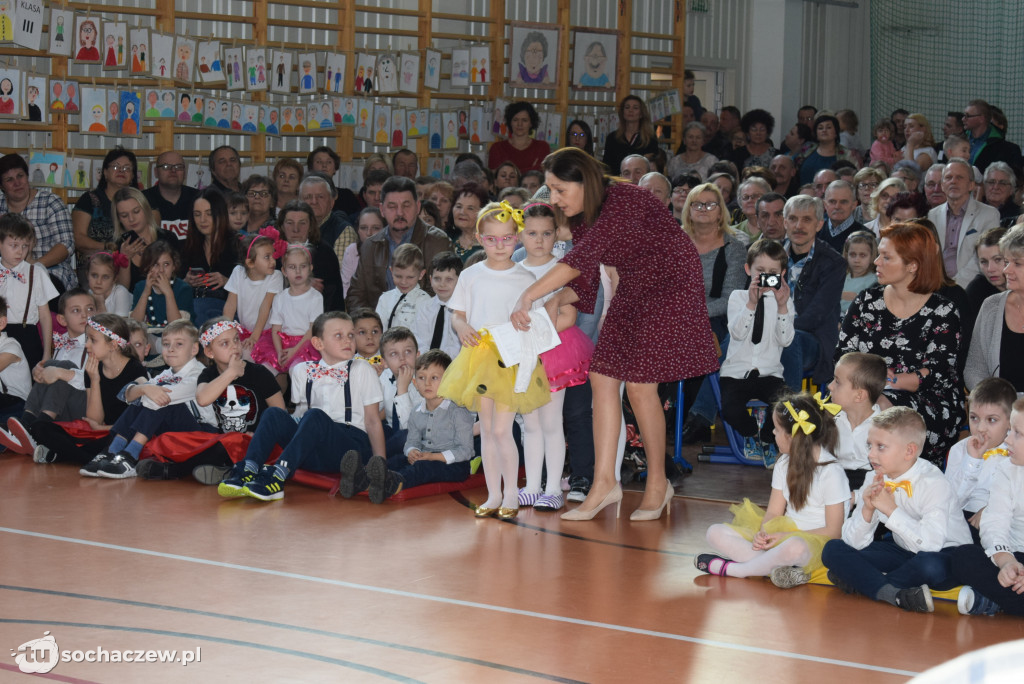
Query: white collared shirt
[[17, 376], [404, 308], [404, 403], [971, 478], [76, 355], [328, 394], [1002, 525], [852, 449], [17, 295]]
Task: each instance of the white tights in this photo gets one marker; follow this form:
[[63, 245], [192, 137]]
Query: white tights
[[544, 445], [499, 455], [750, 563]]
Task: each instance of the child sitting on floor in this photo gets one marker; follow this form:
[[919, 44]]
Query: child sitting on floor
[[111, 296], [439, 446], [398, 347], [911, 497], [972, 461], [15, 378], [337, 402], [809, 500], [109, 367], [254, 284], [27, 289], [59, 392], [167, 403], [368, 331], [858, 383], [988, 590]]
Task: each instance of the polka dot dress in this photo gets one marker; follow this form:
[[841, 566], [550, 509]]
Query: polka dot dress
[[657, 328]]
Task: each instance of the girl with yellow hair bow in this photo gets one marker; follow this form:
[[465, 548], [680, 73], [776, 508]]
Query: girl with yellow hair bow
[[810, 499]]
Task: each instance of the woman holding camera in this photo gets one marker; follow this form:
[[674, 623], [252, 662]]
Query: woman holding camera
[[135, 227]]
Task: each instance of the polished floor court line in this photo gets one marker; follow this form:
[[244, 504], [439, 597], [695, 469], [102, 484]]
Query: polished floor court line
[[293, 591]]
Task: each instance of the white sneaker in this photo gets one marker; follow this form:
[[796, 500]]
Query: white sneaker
[[42, 454]]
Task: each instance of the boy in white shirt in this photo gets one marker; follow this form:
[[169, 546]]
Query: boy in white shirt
[[398, 347], [972, 461], [857, 385], [59, 392], [912, 498], [433, 328], [993, 573], [27, 289], [166, 403], [337, 405], [15, 378], [398, 305], [760, 327]]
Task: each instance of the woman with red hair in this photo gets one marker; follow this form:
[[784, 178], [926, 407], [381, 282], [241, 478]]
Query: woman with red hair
[[916, 331]]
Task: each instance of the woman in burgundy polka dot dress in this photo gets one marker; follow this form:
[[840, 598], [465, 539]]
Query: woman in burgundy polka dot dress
[[656, 329]]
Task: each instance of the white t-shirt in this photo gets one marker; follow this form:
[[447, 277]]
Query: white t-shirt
[[119, 301], [328, 394], [296, 314], [251, 294], [16, 292], [828, 487], [16, 377], [488, 296]]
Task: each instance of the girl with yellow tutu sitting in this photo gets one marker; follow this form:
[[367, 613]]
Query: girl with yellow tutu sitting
[[809, 501], [485, 296]]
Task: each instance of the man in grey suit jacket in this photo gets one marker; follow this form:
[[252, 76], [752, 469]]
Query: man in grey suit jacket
[[961, 221]]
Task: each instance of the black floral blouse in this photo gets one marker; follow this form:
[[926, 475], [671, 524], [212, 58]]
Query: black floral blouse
[[928, 339]]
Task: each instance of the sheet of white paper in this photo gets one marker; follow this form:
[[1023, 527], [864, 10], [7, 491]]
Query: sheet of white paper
[[510, 341]]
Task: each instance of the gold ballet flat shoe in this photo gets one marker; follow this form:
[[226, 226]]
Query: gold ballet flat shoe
[[484, 512], [507, 513]]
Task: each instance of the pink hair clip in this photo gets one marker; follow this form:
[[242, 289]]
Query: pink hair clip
[[271, 233]]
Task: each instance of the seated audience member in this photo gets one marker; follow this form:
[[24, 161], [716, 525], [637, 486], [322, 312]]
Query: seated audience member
[[136, 227], [368, 332], [809, 500], [933, 185], [859, 252], [438, 448], [369, 222], [532, 180], [161, 298], [825, 152], [170, 198], [751, 190], [691, 158], [1000, 184], [287, 175], [839, 224], [59, 390], [326, 161], [399, 352], [517, 197], [992, 573], [370, 194], [238, 213], [881, 198], [634, 167], [166, 403], [770, 219], [635, 133], [261, 198], [15, 376], [27, 305], [909, 172], [973, 459], [468, 199], [865, 182], [961, 221], [988, 143], [209, 255], [337, 402], [991, 280], [429, 214], [757, 126], [914, 501], [397, 306], [225, 169], [658, 185], [786, 183], [857, 386], [506, 176]]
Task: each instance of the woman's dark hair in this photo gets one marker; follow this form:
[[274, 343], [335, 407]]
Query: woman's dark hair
[[822, 118], [432, 210], [573, 165], [588, 146], [298, 205], [374, 211], [109, 159], [758, 116], [804, 132], [690, 180], [153, 252], [254, 180], [521, 106], [908, 200], [473, 190], [647, 132], [326, 150], [803, 461], [221, 226], [519, 174], [9, 162]]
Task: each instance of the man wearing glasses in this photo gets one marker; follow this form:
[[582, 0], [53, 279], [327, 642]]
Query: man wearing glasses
[[987, 143], [170, 197]]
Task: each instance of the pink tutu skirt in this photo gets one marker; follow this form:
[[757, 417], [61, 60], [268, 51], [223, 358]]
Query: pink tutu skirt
[[263, 351], [567, 364]]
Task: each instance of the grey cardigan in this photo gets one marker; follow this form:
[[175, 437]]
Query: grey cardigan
[[983, 356]]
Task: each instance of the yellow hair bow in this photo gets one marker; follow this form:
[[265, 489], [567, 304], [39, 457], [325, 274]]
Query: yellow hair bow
[[801, 421], [995, 452], [834, 409], [902, 484], [505, 212]]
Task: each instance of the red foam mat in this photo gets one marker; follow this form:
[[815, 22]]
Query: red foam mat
[[329, 482]]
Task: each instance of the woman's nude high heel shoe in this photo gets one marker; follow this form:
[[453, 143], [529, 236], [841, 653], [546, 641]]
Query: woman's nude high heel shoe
[[641, 514], [613, 497]]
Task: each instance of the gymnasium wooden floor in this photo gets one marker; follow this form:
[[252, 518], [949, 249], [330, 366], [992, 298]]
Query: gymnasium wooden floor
[[311, 589]]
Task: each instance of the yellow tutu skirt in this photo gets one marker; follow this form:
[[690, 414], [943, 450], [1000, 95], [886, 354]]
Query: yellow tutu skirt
[[747, 518], [478, 372]]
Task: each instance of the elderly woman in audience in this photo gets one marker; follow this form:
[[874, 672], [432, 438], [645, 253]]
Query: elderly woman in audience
[[369, 222], [920, 147], [726, 185], [880, 198], [906, 206], [469, 199], [520, 148], [136, 226], [506, 176], [578, 134], [261, 194], [915, 330], [681, 187], [691, 158], [908, 172], [48, 215], [751, 190], [999, 328], [757, 125], [517, 197], [635, 134], [210, 254], [442, 194], [865, 182], [825, 152], [297, 224], [1000, 184], [326, 161], [92, 219], [286, 176]]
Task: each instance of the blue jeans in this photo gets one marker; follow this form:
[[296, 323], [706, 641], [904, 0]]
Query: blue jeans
[[425, 472], [205, 308], [578, 424], [315, 443], [394, 440], [884, 562], [798, 358], [139, 419]]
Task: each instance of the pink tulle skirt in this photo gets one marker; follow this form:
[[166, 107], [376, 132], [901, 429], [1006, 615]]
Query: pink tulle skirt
[[263, 351], [567, 364]]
